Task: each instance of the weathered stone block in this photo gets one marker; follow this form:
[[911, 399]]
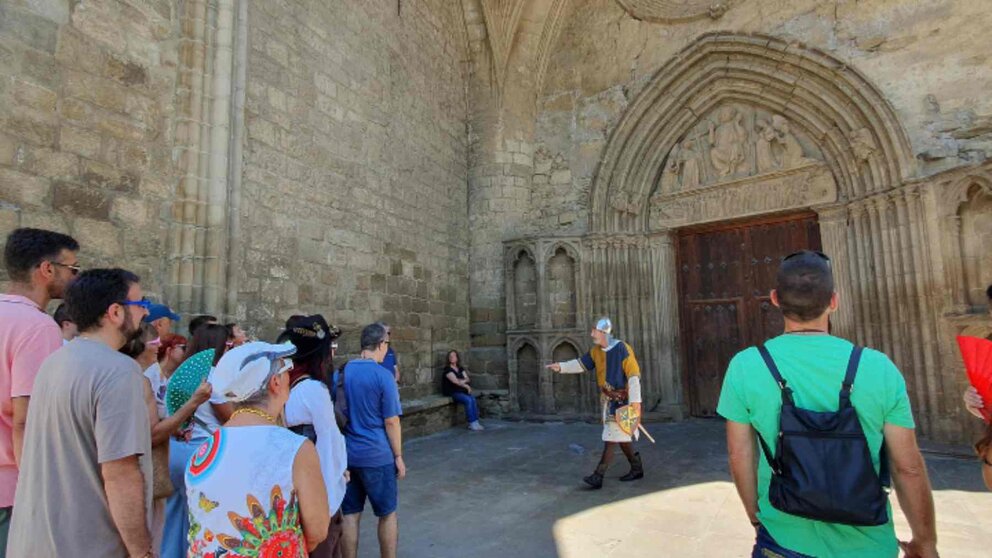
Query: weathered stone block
[[81, 201], [44, 219], [34, 31], [31, 128], [42, 161], [10, 219], [131, 211], [105, 177], [125, 71], [31, 96], [23, 189], [8, 147], [101, 238]]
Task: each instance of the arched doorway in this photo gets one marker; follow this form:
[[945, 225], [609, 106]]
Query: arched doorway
[[740, 127]]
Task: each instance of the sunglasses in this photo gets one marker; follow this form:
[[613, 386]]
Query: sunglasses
[[75, 269], [153, 342], [817, 253], [143, 303]]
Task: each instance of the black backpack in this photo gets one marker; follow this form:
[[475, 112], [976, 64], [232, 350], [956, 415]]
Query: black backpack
[[339, 398], [822, 467]]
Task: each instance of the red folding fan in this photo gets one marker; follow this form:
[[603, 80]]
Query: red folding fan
[[977, 355]]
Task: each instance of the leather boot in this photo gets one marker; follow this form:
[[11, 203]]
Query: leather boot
[[595, 480], [636, 469]]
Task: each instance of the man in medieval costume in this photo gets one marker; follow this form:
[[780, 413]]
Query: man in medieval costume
[[618, 377]]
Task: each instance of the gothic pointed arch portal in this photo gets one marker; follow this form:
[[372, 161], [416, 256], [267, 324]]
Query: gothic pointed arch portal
[[843, 115], [746, 126]]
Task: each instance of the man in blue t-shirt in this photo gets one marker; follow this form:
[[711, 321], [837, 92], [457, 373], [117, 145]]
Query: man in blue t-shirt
[[374, 441]]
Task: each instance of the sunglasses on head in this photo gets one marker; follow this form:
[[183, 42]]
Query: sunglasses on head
[[153, 342], [821, 255]]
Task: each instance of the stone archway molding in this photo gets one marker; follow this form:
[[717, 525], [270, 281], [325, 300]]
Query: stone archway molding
[[862, 141]]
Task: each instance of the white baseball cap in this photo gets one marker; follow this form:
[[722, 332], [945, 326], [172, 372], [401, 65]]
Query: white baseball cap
[[243, 371]]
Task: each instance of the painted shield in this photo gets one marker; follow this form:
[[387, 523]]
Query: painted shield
[[627, 417]]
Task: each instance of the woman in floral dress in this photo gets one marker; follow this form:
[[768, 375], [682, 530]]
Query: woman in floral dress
[[254, 488]]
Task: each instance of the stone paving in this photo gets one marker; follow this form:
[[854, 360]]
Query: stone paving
[[515, 491]]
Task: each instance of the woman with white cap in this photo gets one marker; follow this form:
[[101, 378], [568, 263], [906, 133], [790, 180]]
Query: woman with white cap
[[619, 379], [255, 488]]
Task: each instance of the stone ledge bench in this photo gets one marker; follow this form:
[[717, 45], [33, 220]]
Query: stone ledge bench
[[434, 413]]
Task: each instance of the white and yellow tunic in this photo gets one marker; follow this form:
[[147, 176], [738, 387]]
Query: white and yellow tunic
[[619, 379]]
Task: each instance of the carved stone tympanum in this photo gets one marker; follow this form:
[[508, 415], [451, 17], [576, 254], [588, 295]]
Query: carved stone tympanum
[[737, 141]]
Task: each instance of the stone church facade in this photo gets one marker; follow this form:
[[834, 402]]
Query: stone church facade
[[491, 175]]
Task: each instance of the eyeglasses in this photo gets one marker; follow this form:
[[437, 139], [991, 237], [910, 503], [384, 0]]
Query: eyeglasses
[[821, 255], [73, 268], [183, 347], [143, 303]]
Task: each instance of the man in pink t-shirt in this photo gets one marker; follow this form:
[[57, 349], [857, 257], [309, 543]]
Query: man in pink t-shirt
[[40, 264]]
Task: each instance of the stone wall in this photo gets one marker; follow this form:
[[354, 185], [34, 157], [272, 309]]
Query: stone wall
[[355, 174], [252, 159], [86, 100]]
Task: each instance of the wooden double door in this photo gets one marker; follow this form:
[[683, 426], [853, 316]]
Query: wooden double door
[[725, 274]]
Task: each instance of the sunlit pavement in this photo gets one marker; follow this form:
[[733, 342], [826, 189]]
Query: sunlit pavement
[[515, 491]]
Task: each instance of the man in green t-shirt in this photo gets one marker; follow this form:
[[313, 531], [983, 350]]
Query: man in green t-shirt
[[813, 364]]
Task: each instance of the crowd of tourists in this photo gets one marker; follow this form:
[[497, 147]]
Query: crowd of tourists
[[269, 452], [122, 437]]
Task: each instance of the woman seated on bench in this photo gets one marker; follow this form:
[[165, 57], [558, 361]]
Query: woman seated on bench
[[456, 385]]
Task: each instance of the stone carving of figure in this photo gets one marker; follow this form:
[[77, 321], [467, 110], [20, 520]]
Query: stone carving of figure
[[623, 202], [727, 137], [670, 174], [691, 176], [862, 144], [764, 154], [790, 149]]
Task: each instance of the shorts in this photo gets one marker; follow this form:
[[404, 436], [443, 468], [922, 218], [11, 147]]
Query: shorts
[[766, 547], [378, 484]]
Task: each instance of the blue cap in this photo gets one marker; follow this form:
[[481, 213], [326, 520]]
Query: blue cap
[[156, 311]]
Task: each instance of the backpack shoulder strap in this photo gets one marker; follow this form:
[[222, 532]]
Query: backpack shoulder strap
[[773, 368], [786, 400], [776, 468], [852, 372]]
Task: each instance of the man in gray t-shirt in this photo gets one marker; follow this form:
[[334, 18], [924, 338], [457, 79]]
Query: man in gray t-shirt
[[85, 483]]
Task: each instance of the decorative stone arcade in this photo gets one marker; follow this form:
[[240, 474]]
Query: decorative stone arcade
[[740, 126]]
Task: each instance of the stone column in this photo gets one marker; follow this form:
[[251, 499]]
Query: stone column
[[202, 213], [665, 323], [833, 235]]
